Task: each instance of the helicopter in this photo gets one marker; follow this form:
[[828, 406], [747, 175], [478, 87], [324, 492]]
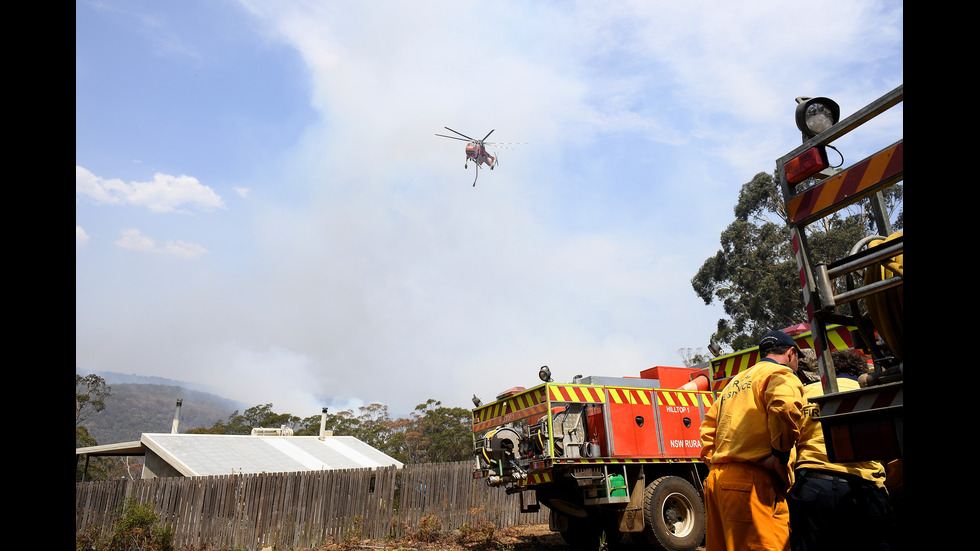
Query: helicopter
[[475, 151]]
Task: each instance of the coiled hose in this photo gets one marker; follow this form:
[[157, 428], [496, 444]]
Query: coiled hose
[[886, 308]]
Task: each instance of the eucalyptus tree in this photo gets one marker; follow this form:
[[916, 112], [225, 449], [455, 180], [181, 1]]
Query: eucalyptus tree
[[91, 392], [754, 275]]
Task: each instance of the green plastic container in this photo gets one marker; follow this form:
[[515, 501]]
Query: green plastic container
[[617, 485]]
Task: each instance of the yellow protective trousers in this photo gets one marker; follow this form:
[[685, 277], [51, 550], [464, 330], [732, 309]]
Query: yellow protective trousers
[[745, 510]]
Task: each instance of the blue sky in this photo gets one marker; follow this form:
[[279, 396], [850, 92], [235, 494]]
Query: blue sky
[[262, 205]]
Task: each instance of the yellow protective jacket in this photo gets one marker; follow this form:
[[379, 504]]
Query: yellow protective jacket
[[759, 411], [811, 451]]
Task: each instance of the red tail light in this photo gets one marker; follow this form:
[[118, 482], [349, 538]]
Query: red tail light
[[809, 163]]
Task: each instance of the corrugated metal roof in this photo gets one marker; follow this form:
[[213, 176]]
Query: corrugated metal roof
[[221, 454]]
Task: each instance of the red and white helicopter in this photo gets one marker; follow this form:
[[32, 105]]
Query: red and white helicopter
[[475, 151]]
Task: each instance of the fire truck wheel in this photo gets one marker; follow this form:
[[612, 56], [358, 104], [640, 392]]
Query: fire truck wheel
[[673, 514]]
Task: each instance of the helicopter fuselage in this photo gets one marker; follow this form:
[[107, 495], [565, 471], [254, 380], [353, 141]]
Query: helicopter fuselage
[[477, 153]]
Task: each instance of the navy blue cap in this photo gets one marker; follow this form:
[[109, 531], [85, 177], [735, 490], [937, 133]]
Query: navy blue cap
[[774, 339]]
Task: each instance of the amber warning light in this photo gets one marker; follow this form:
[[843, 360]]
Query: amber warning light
[[809, 163]]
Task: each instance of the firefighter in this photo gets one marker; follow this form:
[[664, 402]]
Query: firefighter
[[746, 440], [840, 506]]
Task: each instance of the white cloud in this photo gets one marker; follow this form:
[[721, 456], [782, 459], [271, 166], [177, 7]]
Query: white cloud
[[164, 193], [134, 240], [81, 238]]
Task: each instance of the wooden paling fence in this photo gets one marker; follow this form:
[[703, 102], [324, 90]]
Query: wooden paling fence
[[306, 509]]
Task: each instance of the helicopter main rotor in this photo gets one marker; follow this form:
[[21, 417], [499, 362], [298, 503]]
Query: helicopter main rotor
[[464, 136]]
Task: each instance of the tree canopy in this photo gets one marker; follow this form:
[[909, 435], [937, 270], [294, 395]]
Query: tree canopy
[[754, 275], [253, 417], [432, 433], [91, 392]]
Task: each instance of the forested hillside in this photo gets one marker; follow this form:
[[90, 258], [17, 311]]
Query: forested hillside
[[136, 408]]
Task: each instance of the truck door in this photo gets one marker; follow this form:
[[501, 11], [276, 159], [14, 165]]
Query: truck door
[[680, 416], [632, 422]]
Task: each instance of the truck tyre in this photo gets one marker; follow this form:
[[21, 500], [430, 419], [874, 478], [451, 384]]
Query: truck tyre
[[673, 514]]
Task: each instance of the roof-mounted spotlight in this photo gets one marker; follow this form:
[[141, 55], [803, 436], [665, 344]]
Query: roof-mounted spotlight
[[544, 374], [815, 115], [714, 348]]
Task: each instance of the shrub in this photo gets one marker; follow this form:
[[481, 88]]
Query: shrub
[[138, 528], [353, 534], [430, 529], [480, 532]]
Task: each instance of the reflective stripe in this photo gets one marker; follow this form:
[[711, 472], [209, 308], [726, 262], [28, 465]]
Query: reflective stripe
[[515, 407], [630, 396], [848, 186], [726, 367], [683, 398], [589, 394], [539, 478]]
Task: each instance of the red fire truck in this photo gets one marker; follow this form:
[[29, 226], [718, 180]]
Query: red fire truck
[[613, 455], [607, 455]]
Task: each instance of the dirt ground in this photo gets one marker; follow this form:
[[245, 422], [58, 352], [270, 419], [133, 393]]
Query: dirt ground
[[528, 537]]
